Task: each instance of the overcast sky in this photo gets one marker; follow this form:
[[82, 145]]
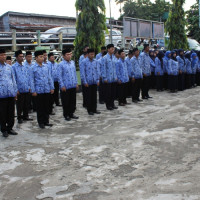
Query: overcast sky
[[58, 7]]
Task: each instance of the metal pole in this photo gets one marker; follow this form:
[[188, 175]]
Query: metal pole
[[38, 38], [14, 42], [110, 23]]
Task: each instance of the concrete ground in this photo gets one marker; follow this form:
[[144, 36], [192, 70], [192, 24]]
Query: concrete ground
[[145, 151]]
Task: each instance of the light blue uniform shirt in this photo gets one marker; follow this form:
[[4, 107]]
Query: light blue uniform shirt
[[89, 72], [158, 67], [53, 67], [167, 66], [175, 67], [8, 86], [137, 70], [122, 71], [67, 74], [109, 68], [98, 56], [41, 81], [188, 66], [145, 63], [181, 63], [22, 77], [130, 67], [81, 58]]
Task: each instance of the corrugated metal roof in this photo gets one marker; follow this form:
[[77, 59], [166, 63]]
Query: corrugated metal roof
[[36, 15]]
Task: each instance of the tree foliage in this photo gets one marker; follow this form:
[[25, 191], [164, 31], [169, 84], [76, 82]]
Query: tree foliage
[[193, 22], [90, 25], [145, 9], [175, 26]]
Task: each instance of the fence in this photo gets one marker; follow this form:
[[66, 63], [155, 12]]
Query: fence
[[15, 40]]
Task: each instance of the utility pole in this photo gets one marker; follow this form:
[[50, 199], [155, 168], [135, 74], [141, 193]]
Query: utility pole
[[111, 23]]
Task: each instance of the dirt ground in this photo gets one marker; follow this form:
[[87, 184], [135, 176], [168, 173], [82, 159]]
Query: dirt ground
[[144, 151]]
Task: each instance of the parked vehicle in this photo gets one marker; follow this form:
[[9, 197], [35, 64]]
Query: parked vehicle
[[51, 34], [193, 44], [116, 37]]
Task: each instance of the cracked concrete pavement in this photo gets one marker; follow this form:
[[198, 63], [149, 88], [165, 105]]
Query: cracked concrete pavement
[[144, 151]]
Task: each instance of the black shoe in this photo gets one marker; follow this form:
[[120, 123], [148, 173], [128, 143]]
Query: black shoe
[[42, 126], [20, 121], [115, 107], [5, 134], [139, 100], [97, 112], [90, 113], [145, 98], [11, 132], [74, 116], [101, 102], [134, 101], [47, 124], [27, 119], [52, 113], [149, 97], [67, 118], [109, 108]]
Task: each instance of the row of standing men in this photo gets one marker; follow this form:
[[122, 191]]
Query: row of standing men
[[116, 76]]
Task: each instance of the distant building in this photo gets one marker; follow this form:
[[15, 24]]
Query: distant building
[[33, 22]]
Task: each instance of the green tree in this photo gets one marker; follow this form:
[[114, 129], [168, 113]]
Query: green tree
[[145, 9], [90, 25], [175, 26], [193, 22]]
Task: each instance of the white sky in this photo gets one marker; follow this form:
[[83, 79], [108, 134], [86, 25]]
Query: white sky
[[59, 7]]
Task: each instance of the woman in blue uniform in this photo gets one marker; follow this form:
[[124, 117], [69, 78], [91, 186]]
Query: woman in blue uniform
[[159, 71]]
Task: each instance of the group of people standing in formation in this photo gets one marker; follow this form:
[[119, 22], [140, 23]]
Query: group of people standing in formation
[[38, 85]]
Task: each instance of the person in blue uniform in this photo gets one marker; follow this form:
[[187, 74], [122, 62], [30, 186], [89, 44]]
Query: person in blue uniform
[[29, 64], [159, 71], [22, 77], [198, 70], [53, 67], [85, 55], [90, 78], [101, 85], [109, 77], [175, 72], [130, 70], [146, 70], [54, 73], [41, 87], [68, 83], [137, 76], [182, 70], [152, 55], [168, 68], [8, 92], [194, 65], [45, 57], [99, 55], [85, 48], [9, 60], [188, 70], [122, 78]]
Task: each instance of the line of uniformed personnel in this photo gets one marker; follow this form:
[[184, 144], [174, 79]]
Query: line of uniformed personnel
[[38, 85]]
